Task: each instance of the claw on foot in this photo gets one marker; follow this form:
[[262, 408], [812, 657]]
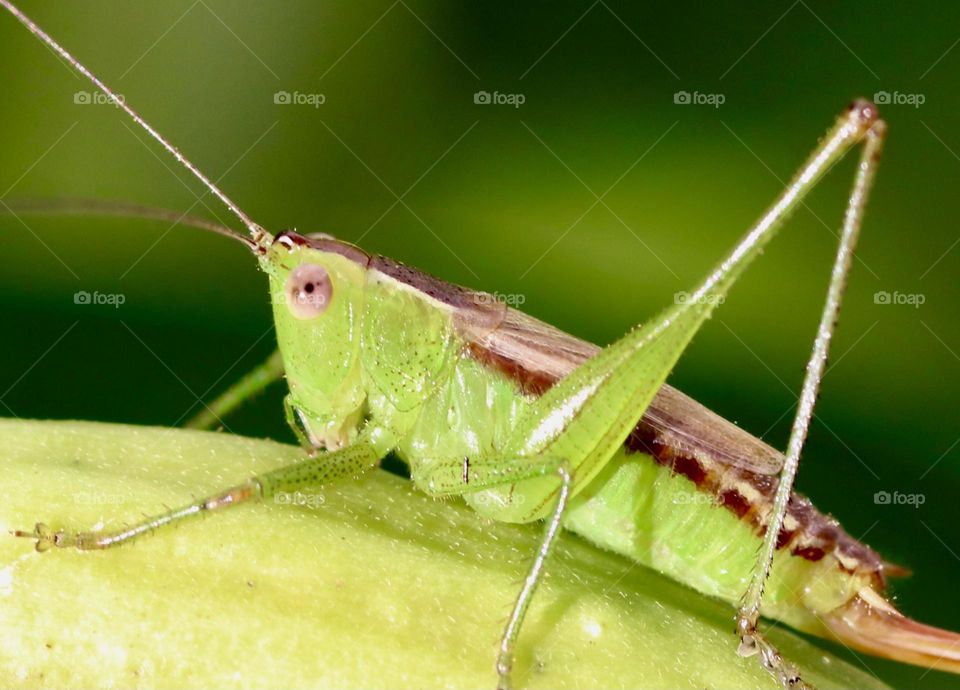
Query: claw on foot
[[772, 661], [46, 537], [748, 646]]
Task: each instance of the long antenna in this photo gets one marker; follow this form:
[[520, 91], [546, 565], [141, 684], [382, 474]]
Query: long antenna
[[121, 209], [257, 233]]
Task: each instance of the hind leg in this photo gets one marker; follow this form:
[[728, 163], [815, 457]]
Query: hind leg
[[751, 641]]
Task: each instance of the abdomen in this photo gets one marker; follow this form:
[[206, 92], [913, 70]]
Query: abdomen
[[649, 513], [700, 525]]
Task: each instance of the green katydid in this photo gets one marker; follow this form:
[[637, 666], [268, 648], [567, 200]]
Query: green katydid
[[528, 423]]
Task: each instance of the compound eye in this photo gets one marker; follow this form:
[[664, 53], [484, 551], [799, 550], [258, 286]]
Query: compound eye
[[308, 291]]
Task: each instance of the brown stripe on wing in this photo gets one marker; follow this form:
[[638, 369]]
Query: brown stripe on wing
[[536, 355], [714, 454], [678, 432], [477, 313], [532, 353], [807, 532]]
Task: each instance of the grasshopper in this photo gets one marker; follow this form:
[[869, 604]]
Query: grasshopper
[[528, 423]]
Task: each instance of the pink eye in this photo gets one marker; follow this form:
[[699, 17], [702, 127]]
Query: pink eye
[[308, 291]]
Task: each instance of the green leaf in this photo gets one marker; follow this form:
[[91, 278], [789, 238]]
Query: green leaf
[[368, 584]]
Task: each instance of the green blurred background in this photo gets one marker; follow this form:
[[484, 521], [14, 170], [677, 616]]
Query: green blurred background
[[503, 198]]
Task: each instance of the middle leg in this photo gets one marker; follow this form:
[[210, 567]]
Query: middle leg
[[459, 477], [263, 375]]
